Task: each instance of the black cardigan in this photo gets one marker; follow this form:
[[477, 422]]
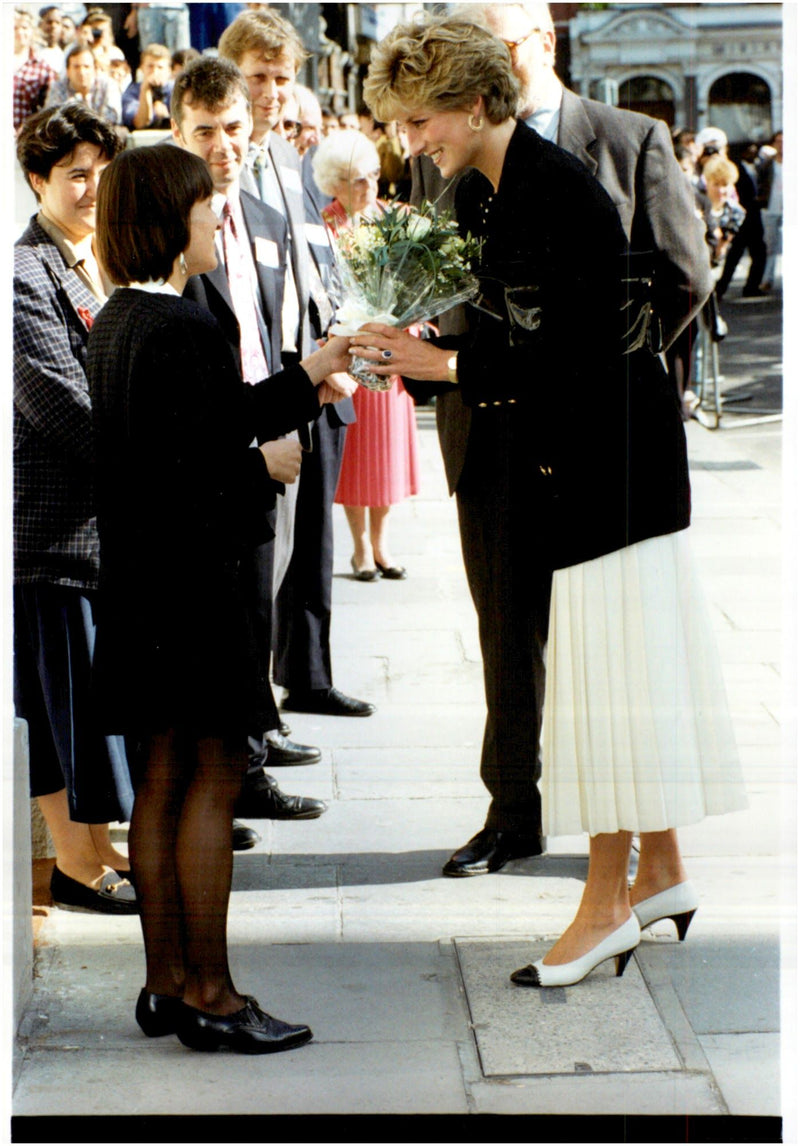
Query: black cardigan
[[597, 435]]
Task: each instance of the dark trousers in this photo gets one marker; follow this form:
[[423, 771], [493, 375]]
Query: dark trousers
[[510, 588], [54, 634], [749, 237], [303, 606], [256, 576]]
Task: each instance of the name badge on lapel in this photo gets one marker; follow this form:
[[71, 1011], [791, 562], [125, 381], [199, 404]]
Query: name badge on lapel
[[291, 179], [317, 235], [267, 252]]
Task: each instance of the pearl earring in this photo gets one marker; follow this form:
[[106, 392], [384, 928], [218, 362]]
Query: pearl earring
[[182, 264]]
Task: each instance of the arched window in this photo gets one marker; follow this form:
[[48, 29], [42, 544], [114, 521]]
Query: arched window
[[650, 95], [740, 103]]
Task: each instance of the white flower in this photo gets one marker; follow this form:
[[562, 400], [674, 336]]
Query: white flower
[[418, 227]]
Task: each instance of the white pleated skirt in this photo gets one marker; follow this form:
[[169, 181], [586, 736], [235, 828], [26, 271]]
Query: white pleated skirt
[[637, 734]]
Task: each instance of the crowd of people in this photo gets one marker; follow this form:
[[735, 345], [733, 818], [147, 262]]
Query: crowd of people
[[184, 423], [740, 202]]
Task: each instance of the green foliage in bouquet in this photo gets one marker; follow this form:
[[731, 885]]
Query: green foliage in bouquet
[[410, 263]]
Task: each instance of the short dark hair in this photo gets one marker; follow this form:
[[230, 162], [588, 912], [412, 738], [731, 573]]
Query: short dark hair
[[184, 56], [210, 81], [143, 204], [77, 49], [50, 135]]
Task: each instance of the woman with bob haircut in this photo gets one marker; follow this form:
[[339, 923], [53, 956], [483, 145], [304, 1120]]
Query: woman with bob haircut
[[79, 777], [379, 465], [576, 462], [182, 499]]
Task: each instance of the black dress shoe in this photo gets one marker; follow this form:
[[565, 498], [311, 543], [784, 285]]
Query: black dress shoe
[[262, 799], [249, 1031], [327, 702], [280, 752], [243, 838], [157, 1015], [114, 896], [392, 572], [491, 850]]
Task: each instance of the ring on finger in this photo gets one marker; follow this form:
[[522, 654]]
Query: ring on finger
[[386, 354]]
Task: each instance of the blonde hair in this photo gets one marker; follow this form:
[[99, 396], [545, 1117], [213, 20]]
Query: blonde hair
[[442, 64], [718, 169], [264, 32]]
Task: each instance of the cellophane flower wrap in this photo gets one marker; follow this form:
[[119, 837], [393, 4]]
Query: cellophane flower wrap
[[401, 266]]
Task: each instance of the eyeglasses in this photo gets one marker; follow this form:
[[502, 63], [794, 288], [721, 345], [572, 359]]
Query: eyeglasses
[[363, 180], [512, 44], [291, 127]]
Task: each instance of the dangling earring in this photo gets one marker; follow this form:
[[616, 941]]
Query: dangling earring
[[475, 126], [182, 264]]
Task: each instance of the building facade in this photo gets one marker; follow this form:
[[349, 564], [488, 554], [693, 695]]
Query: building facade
[[694, 65]]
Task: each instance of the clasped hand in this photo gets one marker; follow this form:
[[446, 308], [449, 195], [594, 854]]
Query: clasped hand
[[392, 351], [283, 458]]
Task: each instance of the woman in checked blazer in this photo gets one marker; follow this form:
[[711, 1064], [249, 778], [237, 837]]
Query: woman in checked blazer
[[80, 777]]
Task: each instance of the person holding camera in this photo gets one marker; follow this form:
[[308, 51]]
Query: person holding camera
[[146, 104]]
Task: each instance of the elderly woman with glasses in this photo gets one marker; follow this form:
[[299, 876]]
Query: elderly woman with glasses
[[380, 466]]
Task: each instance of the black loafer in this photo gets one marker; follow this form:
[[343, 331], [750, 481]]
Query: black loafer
[[491, 850], [327, 702], [262, 799], [249, 1031], [392, 572], [157, 1015], [243, 838], [114, 896], [278, 751]]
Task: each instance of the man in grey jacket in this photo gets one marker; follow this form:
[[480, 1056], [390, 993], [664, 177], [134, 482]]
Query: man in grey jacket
[[632, 157]]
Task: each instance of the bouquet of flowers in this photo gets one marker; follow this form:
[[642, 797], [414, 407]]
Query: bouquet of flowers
[[401, 266]]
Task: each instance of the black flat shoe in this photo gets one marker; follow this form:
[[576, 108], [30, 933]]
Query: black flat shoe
[[363, 574], [249, 1031], [115, 896], [392, 572], [490, 850], [157, 1014], [327, 702]]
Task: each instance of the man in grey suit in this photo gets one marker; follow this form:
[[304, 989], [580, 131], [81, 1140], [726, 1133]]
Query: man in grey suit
[[631, 155], [211, 117], [269, 53]]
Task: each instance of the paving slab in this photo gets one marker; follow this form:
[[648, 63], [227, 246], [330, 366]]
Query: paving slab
[[726, 985], [747, 1070], [603, 1025]]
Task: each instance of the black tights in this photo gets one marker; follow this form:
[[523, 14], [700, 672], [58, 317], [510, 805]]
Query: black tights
[[182, 863]]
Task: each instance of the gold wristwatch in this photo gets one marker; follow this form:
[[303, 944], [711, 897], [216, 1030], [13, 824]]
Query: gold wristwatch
[[452, 369]]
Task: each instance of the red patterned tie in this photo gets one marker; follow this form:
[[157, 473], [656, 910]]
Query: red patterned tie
[[240, 281]]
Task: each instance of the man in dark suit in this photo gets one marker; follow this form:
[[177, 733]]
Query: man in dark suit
[[211, 118], [268, 51], [632, 156]]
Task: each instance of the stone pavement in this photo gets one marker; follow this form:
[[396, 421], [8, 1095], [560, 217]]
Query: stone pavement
[[346, 923]]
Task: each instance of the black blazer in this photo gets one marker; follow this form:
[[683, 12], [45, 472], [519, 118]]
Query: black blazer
[[597, 436]]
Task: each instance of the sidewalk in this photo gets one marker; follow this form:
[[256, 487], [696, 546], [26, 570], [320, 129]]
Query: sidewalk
[[347, 924]]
